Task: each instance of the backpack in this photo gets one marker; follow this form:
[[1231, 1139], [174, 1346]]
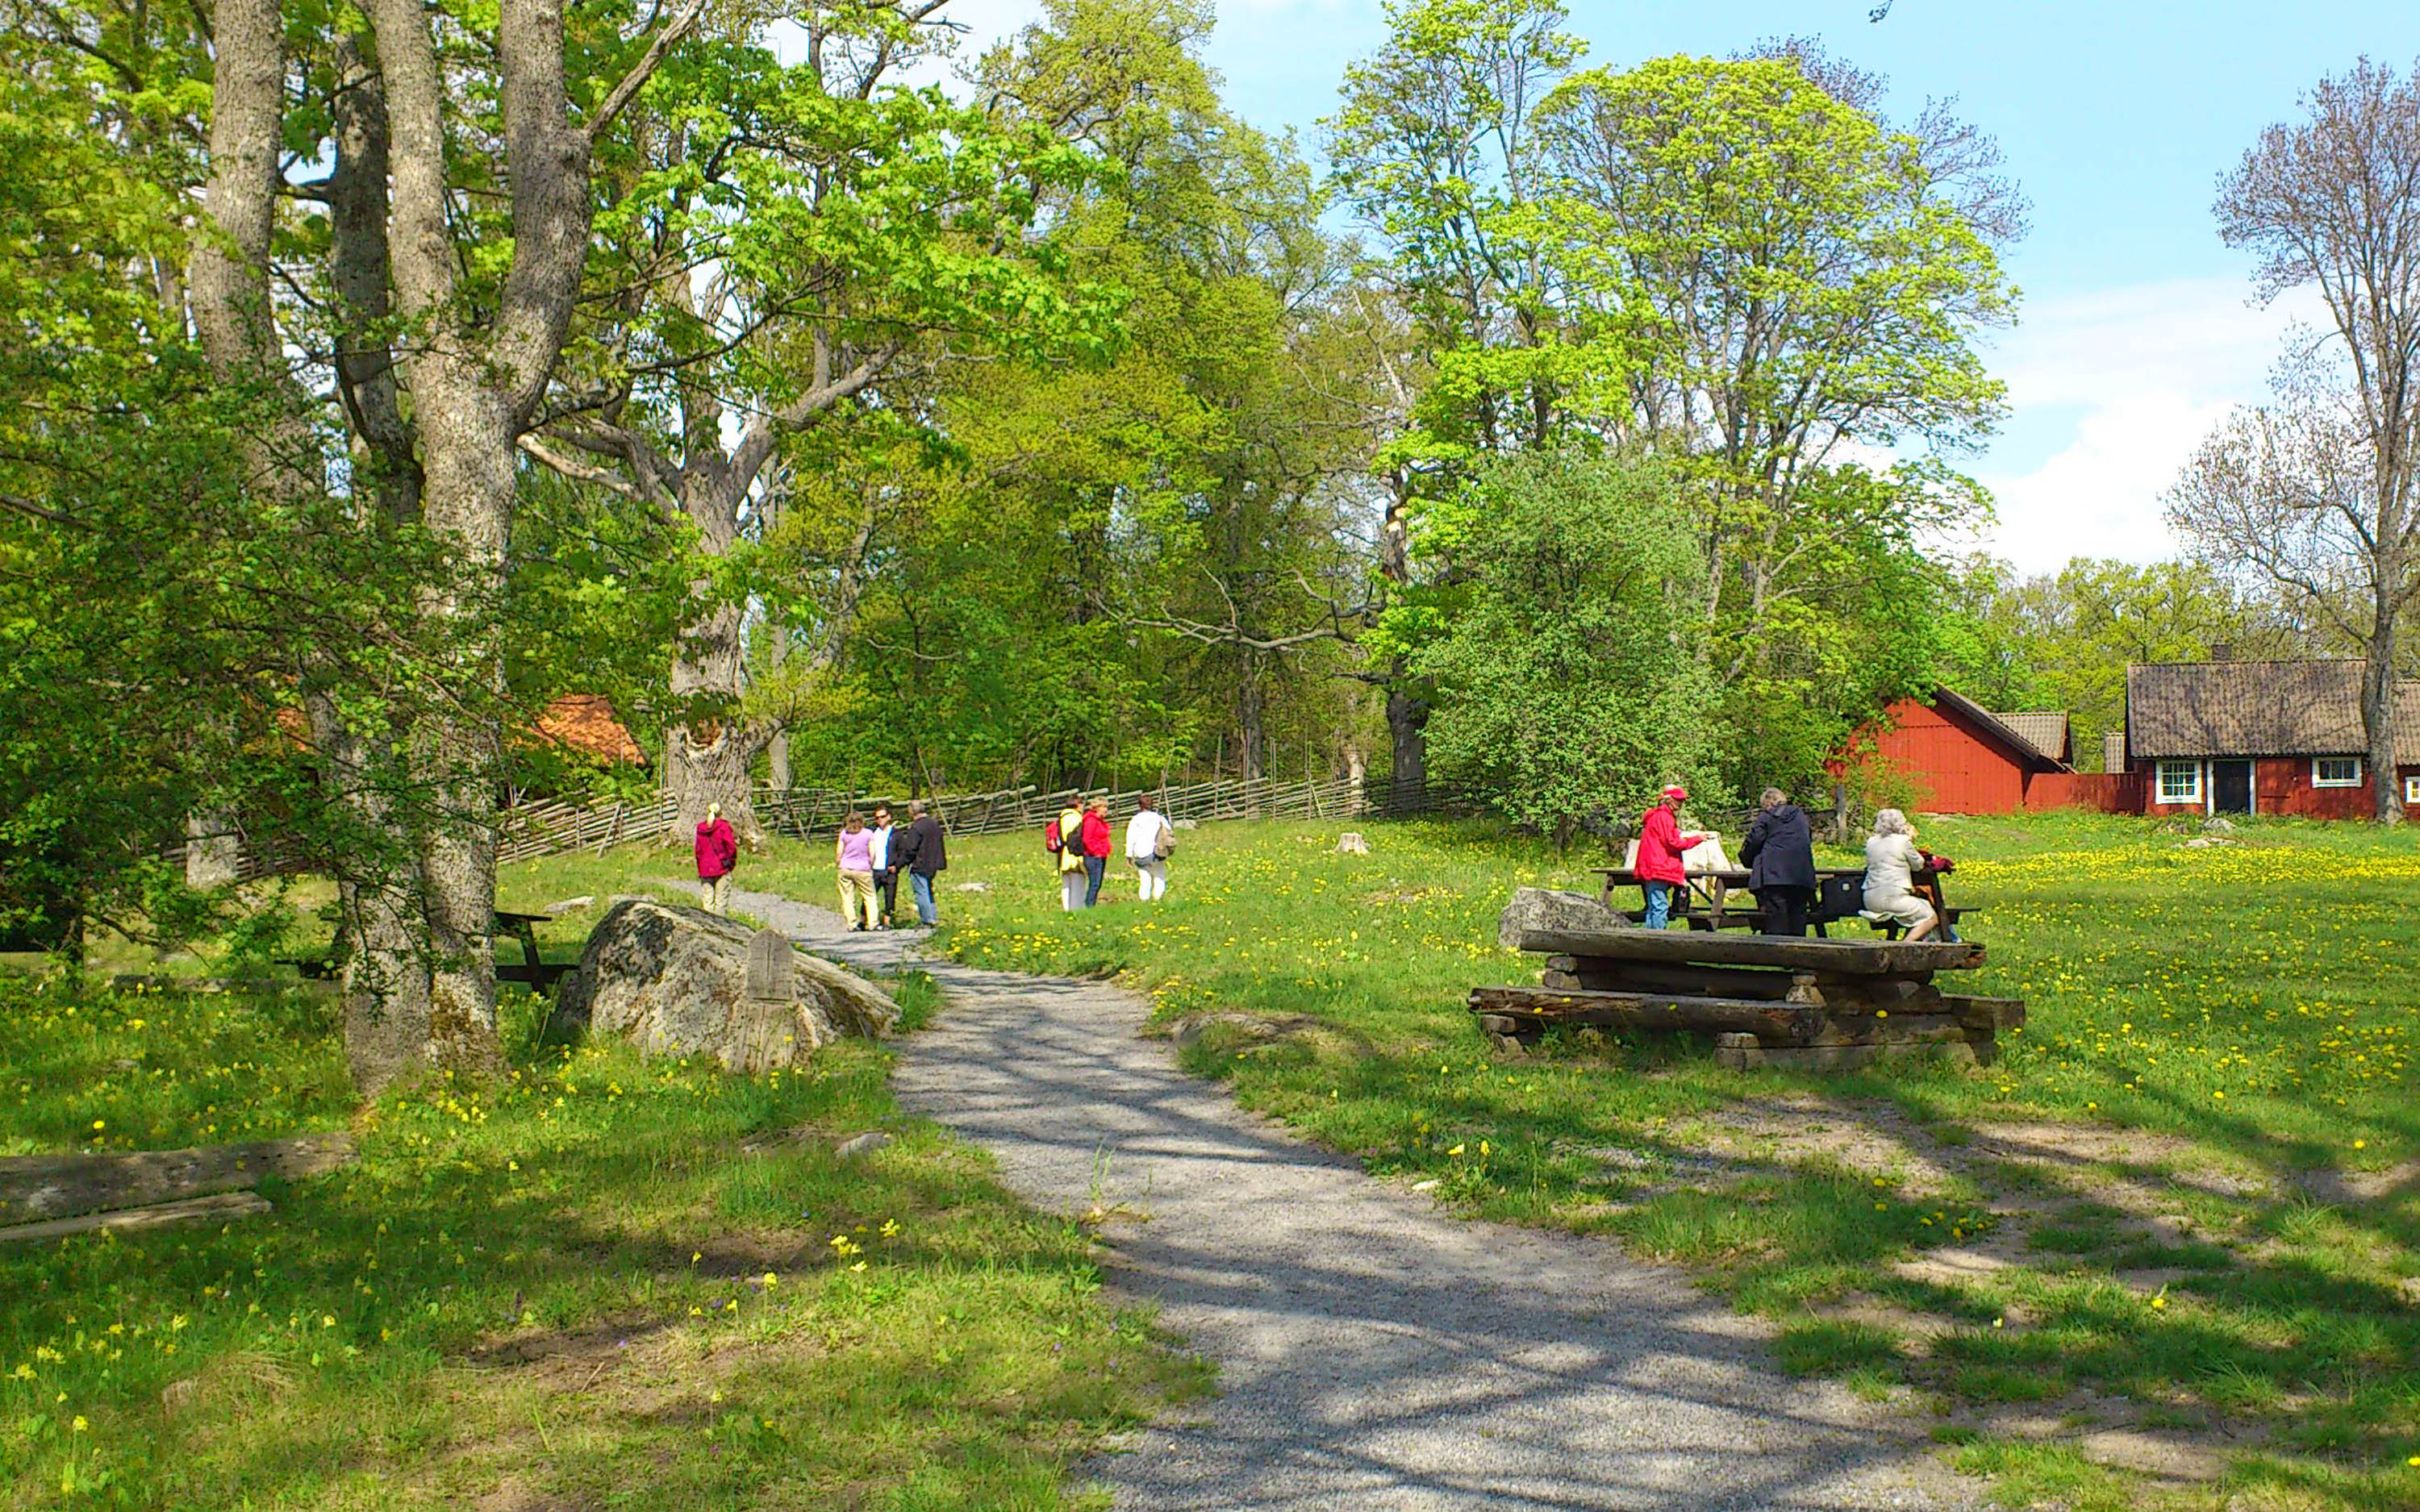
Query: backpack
[[1050, 839]]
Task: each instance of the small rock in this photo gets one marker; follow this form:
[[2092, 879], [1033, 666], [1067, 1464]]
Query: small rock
[[1429, 1185], [571, 905], [1185, 823], [974, 886], [1352, 844], [864, 1144], [2410, 1290], [2218, 824]]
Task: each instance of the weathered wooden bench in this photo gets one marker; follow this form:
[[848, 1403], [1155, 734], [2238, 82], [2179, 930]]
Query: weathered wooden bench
[[1815, 1004]]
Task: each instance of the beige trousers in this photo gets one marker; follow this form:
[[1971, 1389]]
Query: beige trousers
[[857, 898], [713, 893]]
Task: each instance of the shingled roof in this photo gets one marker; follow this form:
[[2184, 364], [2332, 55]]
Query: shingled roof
[[1998, 728], [2258, 708], [2044, 732]]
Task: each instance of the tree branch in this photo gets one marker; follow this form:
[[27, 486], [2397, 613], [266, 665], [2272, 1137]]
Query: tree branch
[[573, 468], [641, 71], [27, 506]]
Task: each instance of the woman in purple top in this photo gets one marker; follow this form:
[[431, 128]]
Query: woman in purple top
[[854, 855]]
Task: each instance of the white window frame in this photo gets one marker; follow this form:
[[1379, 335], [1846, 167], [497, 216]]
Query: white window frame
[[2411, 789], [2318, 765], [2160, 783]]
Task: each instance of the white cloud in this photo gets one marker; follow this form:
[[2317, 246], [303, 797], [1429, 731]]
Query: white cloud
[[2153, 367]]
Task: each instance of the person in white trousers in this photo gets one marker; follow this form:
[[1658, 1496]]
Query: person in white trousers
[[1149, 839]]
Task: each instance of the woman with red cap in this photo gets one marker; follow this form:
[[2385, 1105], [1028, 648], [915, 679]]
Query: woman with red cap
[[1659, 868]]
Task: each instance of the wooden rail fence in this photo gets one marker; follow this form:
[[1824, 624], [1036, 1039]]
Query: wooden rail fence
[[550, 827]]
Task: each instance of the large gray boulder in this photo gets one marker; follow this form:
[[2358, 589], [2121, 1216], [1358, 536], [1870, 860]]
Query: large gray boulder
[[675, 982], [1547, 909]]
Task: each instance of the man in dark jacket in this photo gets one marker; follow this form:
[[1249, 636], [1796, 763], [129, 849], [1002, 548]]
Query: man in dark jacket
[[1780, 853], [924, 855]]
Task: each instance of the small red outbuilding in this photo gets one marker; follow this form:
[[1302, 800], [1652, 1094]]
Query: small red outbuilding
[[1962, 757]]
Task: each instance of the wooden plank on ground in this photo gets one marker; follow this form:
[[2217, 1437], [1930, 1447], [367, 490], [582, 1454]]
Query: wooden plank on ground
[[1985, 1013], [41, 1187], [1692, 947], [215, 1209], [1786, 1023]]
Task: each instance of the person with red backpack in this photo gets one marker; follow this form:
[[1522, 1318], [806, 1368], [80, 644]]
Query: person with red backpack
[[1063, 838]]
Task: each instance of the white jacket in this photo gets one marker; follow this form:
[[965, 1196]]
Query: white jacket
[[1142, 835]]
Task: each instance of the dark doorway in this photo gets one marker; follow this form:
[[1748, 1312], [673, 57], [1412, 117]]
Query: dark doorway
[[2230, 787]]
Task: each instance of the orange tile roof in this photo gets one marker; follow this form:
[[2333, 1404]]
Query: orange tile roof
[[585, 723]]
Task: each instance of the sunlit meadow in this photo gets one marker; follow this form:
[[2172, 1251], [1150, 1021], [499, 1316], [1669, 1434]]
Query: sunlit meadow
[[607, 1282], [2187, 1188]]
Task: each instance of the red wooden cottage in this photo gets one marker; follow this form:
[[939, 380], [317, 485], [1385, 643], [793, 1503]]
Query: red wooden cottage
[[2282, 737], [1964, 759]]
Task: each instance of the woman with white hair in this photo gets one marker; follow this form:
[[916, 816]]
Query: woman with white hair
[[1892, 861]]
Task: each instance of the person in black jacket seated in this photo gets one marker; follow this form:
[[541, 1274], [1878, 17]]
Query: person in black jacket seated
[[1780, 853]]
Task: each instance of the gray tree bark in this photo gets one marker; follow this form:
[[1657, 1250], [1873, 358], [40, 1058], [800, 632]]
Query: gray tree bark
[[472, 393], [387, 980], [229, 291]]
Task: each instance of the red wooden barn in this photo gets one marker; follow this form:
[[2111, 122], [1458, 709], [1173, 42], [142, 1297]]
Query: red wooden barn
[[1964, 759], [2282, 737]]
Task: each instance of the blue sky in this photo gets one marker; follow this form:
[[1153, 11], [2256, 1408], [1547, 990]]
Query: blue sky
[[2117, 119]]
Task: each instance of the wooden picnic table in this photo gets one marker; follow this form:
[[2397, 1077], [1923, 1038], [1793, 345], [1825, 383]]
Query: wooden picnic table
[[1819, 1004], [532, 969], [521, 928], [1835, 899]]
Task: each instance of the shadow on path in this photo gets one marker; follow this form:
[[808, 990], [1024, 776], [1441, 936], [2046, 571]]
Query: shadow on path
[[1373, 1352]]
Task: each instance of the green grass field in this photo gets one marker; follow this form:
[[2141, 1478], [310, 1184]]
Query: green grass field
[[606, 1283], [2182, 1214], [2185, 1205]]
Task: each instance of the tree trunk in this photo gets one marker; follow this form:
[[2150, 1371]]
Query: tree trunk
[[379, 902], [466, 450], [2378, 710], [212, 849], [1248, 712], [1407, 718], [473, 390], [708, 757], [778, 750], [384, 922], [232, 306]]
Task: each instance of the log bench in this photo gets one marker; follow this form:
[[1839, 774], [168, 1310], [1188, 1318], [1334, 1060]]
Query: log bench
[[1818, 1004]]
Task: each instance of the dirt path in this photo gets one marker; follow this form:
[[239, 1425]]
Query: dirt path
[[1373, 1352]]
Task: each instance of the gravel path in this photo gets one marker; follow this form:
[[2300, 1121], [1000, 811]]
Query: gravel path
[[1373, 1352]]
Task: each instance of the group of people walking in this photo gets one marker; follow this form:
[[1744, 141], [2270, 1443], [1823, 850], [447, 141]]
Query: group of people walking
[[1780, 853], [1079, 840], [871, 859]]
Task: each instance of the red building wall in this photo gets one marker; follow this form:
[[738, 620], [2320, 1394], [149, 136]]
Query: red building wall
[[2101, 792], [1958, 771], [2280, 785]]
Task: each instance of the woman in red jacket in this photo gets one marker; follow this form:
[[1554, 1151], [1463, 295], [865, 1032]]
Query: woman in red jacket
[[1659, 868], [1096, 848]]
